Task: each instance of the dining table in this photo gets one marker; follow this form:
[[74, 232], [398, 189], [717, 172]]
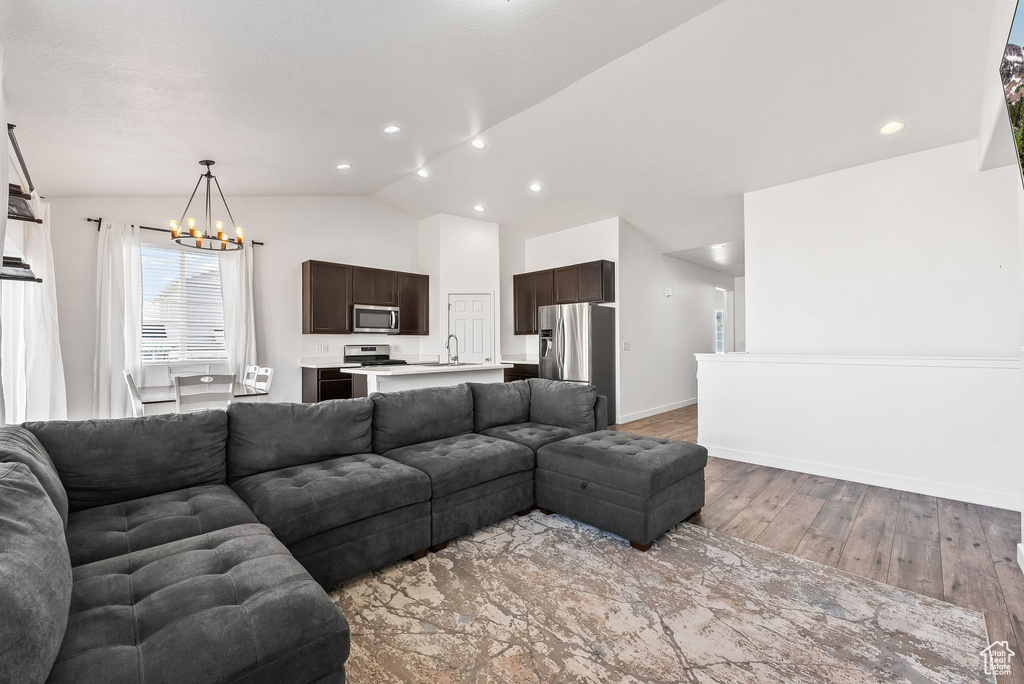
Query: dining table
[[154, 395]]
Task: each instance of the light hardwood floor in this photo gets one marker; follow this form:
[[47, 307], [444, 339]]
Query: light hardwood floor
[[957, 552]]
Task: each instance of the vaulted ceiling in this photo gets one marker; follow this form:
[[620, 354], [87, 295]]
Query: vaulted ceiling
[[660, 111]]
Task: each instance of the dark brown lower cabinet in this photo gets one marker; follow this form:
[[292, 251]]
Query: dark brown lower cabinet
[[324, 384], [521, 371]]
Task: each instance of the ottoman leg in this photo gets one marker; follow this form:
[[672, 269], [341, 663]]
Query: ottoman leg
[[525, 511], [641, 547], [439, 547], [547, 511], [694, 514], [422, 553]]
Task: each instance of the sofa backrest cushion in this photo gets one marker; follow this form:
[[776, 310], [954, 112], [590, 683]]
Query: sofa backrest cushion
[[565, 404], [18, 445], [263, 437], [113, 460], [420, 415], [35, 577], [500, 403]]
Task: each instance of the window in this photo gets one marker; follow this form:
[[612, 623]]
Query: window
[[182, 305], [719, 331]]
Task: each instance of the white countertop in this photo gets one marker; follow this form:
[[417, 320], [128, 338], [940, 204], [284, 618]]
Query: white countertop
[[326, 362], [521, 359], [413, 369]]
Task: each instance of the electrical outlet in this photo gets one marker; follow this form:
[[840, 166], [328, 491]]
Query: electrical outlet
[[625, 346], [323, 348]]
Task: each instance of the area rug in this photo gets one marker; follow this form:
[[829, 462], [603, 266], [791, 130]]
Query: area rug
[[547, 599]]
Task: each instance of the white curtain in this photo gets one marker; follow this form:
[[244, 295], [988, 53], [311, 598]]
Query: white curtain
[[236, 273], [32, 366], [119, 324], [3, 217]]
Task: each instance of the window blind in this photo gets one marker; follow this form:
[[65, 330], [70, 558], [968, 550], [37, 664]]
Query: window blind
[[182, 305]]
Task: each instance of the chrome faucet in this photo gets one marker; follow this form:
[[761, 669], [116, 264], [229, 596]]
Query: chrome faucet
[[452, 360]]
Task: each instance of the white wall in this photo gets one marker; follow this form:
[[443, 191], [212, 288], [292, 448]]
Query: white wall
[[358, 230], [740, 319], [460, 255], [942, 427], [911, 256], [659, 372]]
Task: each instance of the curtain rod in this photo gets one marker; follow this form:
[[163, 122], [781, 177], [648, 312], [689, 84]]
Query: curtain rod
[[99, 222]]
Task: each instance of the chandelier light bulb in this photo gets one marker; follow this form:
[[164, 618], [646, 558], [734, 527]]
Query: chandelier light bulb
[[239, 235], [219, 225], [199, 238], [191, 223], [175, 228]]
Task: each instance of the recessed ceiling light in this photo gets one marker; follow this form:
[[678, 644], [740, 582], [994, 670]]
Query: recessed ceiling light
[[536, 187], [478, 207], [478, 144], [391, 130], [717, 246], [423, 173], [891, 128], [343, 167]]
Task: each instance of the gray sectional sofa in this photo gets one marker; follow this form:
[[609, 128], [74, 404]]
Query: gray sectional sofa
[[195, 548]]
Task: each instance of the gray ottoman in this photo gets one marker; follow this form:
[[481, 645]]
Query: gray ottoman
[[635, 487]]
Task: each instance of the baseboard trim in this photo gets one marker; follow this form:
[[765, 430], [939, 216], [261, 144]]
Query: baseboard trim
[[944, 490], [627, 417]]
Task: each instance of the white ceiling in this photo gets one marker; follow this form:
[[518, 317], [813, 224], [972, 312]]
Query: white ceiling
[[726, 257], [119, 97], [662, 112]]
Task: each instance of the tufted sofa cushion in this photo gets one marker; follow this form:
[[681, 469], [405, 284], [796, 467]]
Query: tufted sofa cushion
[[566, 404], [301, 501], [456, 463], [35, 577], [213, 608], [264, 437], [420, 415], [499, 403], [533, 435], [634, 464], [102, 462], [18, 445], [107, 531]]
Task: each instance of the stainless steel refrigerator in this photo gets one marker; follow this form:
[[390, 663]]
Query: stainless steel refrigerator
[[577, 343]]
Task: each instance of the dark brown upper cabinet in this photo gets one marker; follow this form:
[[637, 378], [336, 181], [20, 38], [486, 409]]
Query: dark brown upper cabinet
[[326, 298], [329, 291], [374, 286], [413, 303], [567, 288], [590, 282]]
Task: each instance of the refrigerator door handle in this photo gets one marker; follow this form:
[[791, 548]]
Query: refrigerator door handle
[[560, 347]]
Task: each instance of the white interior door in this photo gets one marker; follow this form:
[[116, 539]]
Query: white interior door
[[470, 319]]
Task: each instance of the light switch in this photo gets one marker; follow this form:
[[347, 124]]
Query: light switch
[[625, 346], [668, 290]]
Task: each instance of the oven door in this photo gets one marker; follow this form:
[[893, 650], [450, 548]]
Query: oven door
[[375, 319]]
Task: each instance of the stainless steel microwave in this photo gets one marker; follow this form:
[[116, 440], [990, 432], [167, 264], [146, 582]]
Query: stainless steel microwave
[[375, 319]]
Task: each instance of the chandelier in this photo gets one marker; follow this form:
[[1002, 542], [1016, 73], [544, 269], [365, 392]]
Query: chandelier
[[213, 235]]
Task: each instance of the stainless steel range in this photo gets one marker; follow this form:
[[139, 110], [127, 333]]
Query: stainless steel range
[[371, 355]]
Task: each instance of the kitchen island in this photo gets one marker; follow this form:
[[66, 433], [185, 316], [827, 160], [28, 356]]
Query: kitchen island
[[367, 380]]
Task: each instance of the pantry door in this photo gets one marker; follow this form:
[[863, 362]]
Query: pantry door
[[471, 320]]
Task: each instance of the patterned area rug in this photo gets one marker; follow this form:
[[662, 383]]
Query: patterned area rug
[[547, 599]]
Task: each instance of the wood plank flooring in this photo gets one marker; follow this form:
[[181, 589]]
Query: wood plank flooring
[[953, 551]]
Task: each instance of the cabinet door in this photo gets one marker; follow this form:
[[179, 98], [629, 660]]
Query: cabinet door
[[363, 282], [566, 286], [327, 298], [591, 281], [524, 303], [414, 303], [335, 389], [385, 291], [544, 285]]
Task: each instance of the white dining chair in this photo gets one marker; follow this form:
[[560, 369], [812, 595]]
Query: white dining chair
[[138, 410], [264, 378], [186, 369], [249, 379], [202, 392]]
